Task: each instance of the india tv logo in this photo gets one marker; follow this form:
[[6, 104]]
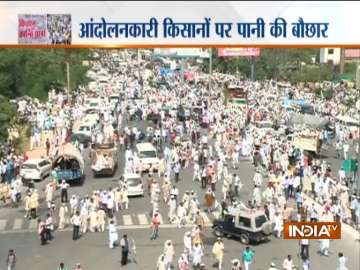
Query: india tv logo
[[312, 230]]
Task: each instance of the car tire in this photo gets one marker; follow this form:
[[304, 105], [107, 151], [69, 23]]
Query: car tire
[[217, 232], [244, 238]]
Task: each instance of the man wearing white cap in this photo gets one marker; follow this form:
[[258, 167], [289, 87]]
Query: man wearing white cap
[[218, 252], [63, 216], [73, 204], [113, 234], [187, 243]]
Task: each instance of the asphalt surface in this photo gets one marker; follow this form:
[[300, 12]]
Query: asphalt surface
[[93, 253]]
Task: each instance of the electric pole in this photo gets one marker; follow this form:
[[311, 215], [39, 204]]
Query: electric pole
[[67, 61], [342, 60], [210, 68]]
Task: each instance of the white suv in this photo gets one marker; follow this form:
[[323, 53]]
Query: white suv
[[134, 184], [35, 169], [148, 155]]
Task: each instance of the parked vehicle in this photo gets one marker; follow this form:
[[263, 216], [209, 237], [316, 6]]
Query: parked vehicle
[[134, 184], [250, 226], [35, 169]]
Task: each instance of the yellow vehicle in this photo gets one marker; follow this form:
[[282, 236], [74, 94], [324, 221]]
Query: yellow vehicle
[[104, 159]]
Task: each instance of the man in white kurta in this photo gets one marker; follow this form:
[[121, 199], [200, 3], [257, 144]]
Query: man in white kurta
[[94, 221], [188, 243], [278, 221], [113, 234], [324, 246], [63, 216], [197, 254], [101, 219]]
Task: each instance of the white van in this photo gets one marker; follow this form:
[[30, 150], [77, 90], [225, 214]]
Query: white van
[[35, 169], [93, 103], [148, 155]]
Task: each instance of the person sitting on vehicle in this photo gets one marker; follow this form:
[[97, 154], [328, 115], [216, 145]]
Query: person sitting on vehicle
[[106, 161], [74, 168]]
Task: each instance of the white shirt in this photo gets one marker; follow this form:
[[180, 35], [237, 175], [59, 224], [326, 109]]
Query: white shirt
[[342, 263], [73, 202], [304, 241], [64, 185], [75, 220], [288, 265]]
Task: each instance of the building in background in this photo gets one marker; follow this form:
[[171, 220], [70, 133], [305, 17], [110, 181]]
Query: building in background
[[330, 56]]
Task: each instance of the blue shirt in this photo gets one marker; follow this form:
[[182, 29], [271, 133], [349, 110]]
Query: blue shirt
[[248, 256], [298, 197]]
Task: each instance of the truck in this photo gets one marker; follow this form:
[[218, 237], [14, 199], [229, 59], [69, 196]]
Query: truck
[[104, 159], [308, 143]]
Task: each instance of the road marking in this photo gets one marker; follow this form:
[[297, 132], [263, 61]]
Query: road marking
[[143, 219], [32, 224], [127, 220], [17, 223], [206, 218], [120, 227], [2, 224]]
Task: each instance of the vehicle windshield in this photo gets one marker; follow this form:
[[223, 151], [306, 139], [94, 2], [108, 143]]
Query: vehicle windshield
[[264, 125], [84, 128], [260, 220], [133, 182], [29, 166], [93, 104], [147, 154]]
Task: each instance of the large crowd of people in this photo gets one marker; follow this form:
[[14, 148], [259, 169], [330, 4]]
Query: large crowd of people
[[59, 29], [211, 141]]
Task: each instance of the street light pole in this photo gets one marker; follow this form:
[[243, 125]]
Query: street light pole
[[67, 61], [182, 72], [68, 75], [252, 68]]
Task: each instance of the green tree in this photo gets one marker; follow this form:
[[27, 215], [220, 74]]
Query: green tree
[[7, 113], [33, 72]]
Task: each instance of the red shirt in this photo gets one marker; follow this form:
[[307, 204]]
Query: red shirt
[[155, 222]]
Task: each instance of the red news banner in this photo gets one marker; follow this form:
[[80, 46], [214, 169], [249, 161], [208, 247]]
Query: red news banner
[[32, 29]]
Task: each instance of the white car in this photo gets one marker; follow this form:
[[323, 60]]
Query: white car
[[86, 129], [93, 103], [35, 169], [134, 184], [148, 156]]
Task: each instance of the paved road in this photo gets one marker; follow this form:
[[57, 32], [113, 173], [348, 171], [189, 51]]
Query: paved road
[[92, 251], [15, 232]]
